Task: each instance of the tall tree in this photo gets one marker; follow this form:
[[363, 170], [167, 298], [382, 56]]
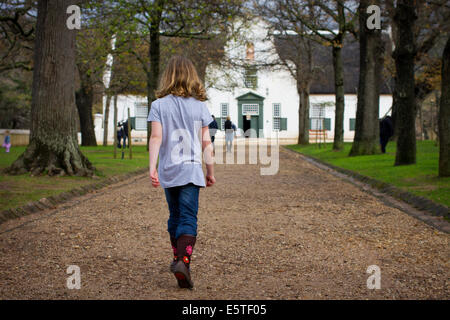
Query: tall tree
[[430, 33], [404, 55], [366, 139], [92, 48], [53, 143], [17, 25], [16, 34], [444, 115], [152, 21], [295, 49], [334, 20], [84, 98], [337, 43]]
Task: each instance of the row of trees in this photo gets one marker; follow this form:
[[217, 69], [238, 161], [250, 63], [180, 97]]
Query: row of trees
[[142, 31], [144, 35], [417, 30], [146, 32], [16, 44]]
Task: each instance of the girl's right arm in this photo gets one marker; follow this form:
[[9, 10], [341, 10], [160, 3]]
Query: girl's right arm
[[208, 154], [154, 145]]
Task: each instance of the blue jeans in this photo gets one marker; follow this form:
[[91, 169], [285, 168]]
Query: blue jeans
[[183, 207]]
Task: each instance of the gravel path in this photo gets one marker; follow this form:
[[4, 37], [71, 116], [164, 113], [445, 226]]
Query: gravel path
[[300, 234]]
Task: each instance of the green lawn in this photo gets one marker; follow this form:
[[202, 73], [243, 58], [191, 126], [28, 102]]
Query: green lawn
[[18, 190], [420, 179]]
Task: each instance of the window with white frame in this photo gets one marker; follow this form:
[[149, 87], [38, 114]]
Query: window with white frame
[[317, 110], [317, 117], [317, 124], [223, 114], [141, 114], [276, 111], [250, 109], [250, 77]]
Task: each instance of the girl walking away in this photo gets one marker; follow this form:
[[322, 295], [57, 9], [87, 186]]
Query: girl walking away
[[7, 142], [180, 120]]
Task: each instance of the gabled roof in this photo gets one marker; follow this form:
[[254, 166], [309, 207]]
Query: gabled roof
[[250, 96], [323, 62]]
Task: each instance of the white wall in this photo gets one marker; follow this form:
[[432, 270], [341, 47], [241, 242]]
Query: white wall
[[225, 85], [275, 86], [123, 103], [280, 88], [350, 101]]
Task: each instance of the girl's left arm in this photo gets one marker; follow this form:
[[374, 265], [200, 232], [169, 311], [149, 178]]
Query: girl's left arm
[[154, 145]]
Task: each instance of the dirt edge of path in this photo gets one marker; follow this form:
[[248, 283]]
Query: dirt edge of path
[[61, 198], [418, 207]]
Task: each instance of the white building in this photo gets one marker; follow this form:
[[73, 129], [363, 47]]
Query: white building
[[262, 99], [138, 112]]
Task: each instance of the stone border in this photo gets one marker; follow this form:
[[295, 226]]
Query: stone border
[[52, 201], [425, 205]]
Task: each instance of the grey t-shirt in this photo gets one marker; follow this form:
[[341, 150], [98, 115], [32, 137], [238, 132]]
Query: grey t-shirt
[[180, 155]]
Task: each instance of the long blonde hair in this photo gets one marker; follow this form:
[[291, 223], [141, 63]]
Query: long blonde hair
[[181, 79]]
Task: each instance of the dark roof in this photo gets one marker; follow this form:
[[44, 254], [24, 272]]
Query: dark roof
[[323, 60], [250, 96]]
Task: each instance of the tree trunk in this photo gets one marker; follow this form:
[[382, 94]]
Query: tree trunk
[[115, 127], [106, 120], [338, 142], [404, 56], [394, 113], [53, 143], [153, 76], [110, 91], [444, 116], [435, 123], [84, 99], [367, 130], [303, 116], [422, 131], [422, 90]]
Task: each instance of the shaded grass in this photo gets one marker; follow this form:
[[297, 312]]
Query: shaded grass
[[420, 179], [18, 190]]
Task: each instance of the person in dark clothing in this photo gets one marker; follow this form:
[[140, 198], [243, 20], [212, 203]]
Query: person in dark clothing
[[212, 130], [228, 124], [229, 134], [122, 133], [125, 134], [386, 132], [119, 135]]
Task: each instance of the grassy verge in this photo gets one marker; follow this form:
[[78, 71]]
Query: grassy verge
[[18, 190], [420, 179]]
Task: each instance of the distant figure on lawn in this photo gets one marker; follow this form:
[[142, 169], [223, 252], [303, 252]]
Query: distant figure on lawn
[[229, 133], [7, 142], [212, 130], [386, 132], [119, 135], [174, 117], [122, 133]]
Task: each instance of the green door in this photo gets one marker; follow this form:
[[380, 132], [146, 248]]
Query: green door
[[255, 126], [257, 121]]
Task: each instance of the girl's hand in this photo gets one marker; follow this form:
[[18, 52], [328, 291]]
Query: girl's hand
[[210, 180], [154, 177]]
